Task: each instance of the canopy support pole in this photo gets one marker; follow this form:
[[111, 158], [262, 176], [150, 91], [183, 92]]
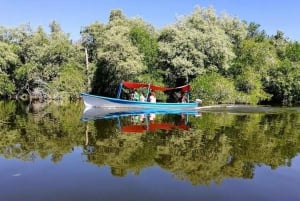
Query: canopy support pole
[[148, 91], [120, 90]]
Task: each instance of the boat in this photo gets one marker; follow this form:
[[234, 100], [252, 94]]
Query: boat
[[108, 102]]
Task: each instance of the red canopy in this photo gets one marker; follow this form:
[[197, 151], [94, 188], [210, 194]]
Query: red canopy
[[135, 85], [153, 127]]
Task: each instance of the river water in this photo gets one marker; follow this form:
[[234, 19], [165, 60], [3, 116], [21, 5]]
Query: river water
[[53, 152]]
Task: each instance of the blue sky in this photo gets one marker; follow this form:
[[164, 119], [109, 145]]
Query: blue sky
[[72, 15]]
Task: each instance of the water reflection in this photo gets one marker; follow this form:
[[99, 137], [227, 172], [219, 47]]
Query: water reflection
[[109, 113], [200, 150], [141, 120]]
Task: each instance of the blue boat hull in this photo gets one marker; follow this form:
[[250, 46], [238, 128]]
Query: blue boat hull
[[106, 102]]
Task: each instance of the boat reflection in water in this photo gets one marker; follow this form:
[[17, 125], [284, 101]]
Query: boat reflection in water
[[140, 119]]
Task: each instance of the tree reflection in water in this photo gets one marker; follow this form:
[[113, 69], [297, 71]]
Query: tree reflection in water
[[210, 148]]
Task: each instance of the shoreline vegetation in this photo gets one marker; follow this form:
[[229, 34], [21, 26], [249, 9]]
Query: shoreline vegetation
[[225, 60]]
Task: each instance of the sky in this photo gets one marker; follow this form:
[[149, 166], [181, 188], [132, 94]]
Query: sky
[[72, 15]]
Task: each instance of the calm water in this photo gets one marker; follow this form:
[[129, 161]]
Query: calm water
[[47, 152]]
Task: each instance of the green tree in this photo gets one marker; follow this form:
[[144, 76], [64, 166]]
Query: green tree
[[194, 45], [44, 55], [8, 58], [280, 43], [117, 57], [213, 88], [236, 29], [7, 87], [293, 51], [69, 82], [92, 39], [250, 69], [284, 83], [255, 33], [147, 44]]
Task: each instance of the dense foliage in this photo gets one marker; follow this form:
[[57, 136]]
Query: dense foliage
[[201, 48], [34, 63]]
